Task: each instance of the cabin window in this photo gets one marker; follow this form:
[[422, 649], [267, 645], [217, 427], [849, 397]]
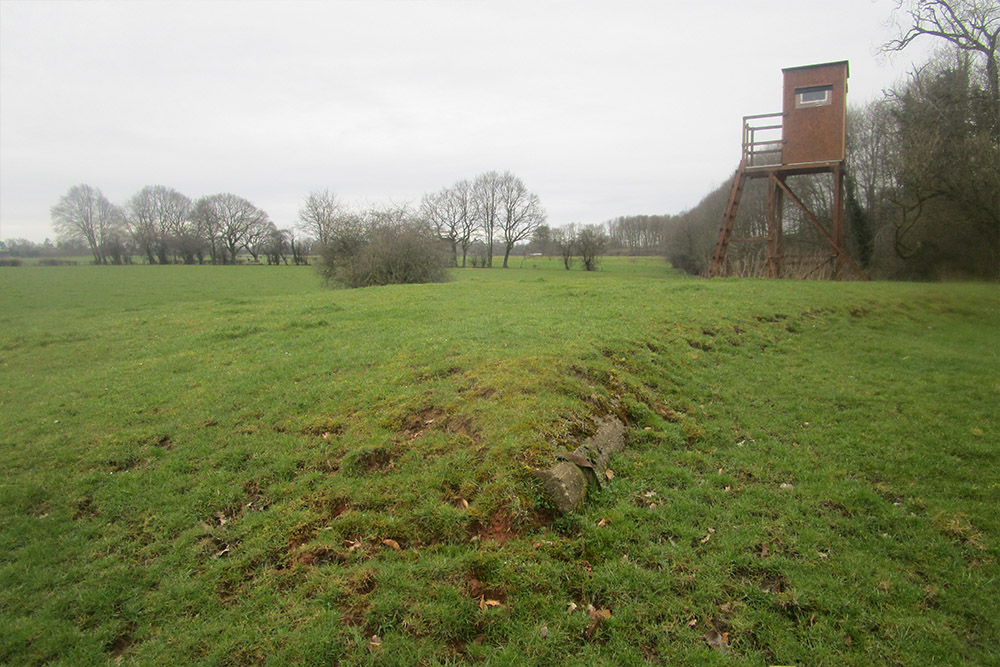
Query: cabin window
[[813, 96]]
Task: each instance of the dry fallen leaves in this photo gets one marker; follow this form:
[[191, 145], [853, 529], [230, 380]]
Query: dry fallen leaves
[[596, 618], [484, 604], [717, 640], [609, 473], [711, 531], [376, 641], [391, 543], [602, 523]]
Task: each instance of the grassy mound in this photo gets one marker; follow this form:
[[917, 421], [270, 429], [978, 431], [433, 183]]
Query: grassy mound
[[234, 465]]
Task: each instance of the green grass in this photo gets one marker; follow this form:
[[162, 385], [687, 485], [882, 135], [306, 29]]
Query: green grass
[[202, 464]]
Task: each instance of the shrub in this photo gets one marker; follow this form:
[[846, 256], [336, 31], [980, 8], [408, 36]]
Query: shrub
[[390, 254], [591, 242]]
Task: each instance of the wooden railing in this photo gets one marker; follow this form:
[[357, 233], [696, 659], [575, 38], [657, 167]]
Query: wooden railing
[[762, 140]]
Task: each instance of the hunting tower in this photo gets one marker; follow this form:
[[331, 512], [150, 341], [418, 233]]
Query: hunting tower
[[807, 137]]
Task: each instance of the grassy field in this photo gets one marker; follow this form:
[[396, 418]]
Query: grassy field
[[236, 465]]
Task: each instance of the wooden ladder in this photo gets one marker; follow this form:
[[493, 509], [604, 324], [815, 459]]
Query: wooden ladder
[[718, 267]]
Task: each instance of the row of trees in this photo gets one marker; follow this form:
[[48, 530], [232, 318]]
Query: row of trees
[[164, 226], [494, 209], [494, 212], [24, 248]]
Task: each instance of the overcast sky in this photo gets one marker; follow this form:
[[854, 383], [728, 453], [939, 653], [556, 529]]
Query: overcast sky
[[602, 108]]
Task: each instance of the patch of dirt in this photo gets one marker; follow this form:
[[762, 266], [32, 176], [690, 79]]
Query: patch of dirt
[[125, 464], [502, 527], [462, 425], [301, 534], [499, 528], [318, 556], [481, 392], [372, 460], [86, 508], [362, 583], [325, 428], [704, 345], [429, 418], [215, 545], [121, 644], [416, 425], [256, 500], [765, 580], [480, 591]]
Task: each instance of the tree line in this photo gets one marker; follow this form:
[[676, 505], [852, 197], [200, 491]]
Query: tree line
[[465, 224], [160, 225], [163, 226]]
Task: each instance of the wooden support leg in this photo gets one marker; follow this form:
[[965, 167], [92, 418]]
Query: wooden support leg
[[838, 220]]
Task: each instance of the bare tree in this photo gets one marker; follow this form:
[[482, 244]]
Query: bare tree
[[257, 238], [591, 241], [206, 223], [521, 213], [300, 247], [320, 214], [449, 212], [276, 245], [541, 240], [386, 215], [232, 221], [871, 152], [971, 25], [486, 208], [564, 239], [85, 214], [157, 216]]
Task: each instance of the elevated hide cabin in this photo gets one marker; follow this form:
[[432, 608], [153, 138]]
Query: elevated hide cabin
[[814, 113], [808, 138]]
